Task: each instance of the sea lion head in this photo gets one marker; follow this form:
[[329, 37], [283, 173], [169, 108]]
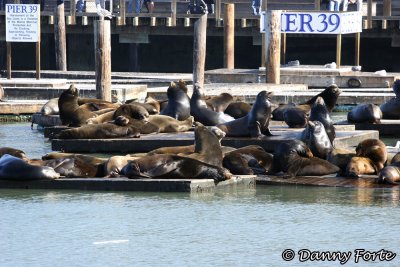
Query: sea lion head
[[375, 112], [121, 121], [72, 90], [262, 105], [359, 166], [319, 102], [389, 175]]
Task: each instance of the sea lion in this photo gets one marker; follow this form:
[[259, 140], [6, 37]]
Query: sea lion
[[316, 138], [151, 109], [330, 96], [144, 126], [178, 105], [341, 157], [86, 158], [51, 107], [13, 168], [255, 123], [98, 104], [391, 109], [277, 113], [13, 152], [396, 158], [375, 150], [114, 165], [75, 167], [295, 117], [390, 174], [71, 113], [99, 131], [201, 113], [106, 117], [152, 101], [207, 147], [319, 112], [219, 103], [133, 110], [173, 167], [294, 158], [360, 166], [248, 160], [238, 109], [365, 113], [167, 124]]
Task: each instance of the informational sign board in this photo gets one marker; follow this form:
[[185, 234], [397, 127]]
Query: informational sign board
[[318, 22], [22, 23]]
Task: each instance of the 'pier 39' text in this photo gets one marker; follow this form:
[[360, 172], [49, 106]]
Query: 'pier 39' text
[[343, 257]]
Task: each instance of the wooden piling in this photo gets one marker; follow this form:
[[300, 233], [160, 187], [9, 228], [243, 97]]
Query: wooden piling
[[273, 46], [72, 11], [338, 50], [369, 15], [173, 11], [263, 8], [229, 36], [59, 37], [387, 7], [8, 60], [102, 46], [199, 49], [357, 52], [38, 59], [122, 12]]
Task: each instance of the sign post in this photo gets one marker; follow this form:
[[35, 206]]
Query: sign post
[[337, 23], [23, 25]]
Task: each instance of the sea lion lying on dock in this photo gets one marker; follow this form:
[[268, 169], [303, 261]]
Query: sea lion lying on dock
[[13, 152], [13, 168], [178, 105], [249, 160], [167, 124], [373, 149], [202, 114], [294, 158], [255, 123], [99, 131], [390, 174], [143, 126], [238, 109], [341, 157], [296, 117], [173, 167], [220, 102], [50, 107], [365, 113], [132, 111], [360, 166], [113, 166]]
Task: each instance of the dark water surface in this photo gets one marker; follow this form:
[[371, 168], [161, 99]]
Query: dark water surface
[[225, 228]]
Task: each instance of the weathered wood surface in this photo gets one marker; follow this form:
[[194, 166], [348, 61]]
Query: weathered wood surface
[[199, 49], [385, 128], [102, 47], [125, 184], [273, 46], [153, 141], [332, 181], [229, 36]]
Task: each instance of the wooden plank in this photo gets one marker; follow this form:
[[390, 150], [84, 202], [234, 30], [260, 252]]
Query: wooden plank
[[385, 128], [153, 141], [125, 184], [326, 181]]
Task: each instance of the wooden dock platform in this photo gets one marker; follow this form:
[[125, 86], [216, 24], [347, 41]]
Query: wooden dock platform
[[386, 127], [125, 184], [149, 142], [331, 181], [21, 106]]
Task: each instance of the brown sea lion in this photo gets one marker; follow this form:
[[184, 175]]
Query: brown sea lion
[[75, 167], [255, 123], [152, 101], [319, 112], [373, 149], [207, 147], [151, 109], [316, 138], [13, 152], [202, 114], [341, 157], [390, 174], [106, 117], [86, 158], [248, 160], [365, 113], [238, 109], [114, 165], [360, 166], [13, 168], [277, 113], [220, 102], [178, 105], [98, 104], [70, 112], [173, 167], [132, 110], [391, 108], [294, 158], [167, 124], [99, 131], [144, 126], [396, 158], [295, 117]]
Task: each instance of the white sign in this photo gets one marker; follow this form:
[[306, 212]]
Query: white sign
[[318, 23], [22, 23]]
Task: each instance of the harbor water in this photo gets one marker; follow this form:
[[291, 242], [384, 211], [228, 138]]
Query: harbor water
[[225, 228]]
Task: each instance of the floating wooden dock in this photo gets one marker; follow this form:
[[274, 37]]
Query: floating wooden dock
[[385, 128], [125, 184], [21, 106], [149, 142], [331, 181]]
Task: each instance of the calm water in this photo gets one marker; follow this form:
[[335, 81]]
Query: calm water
[[225, 228]]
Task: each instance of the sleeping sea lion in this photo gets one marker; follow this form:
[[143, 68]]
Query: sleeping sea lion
[[360, 166], [99, 131], [13, 152], [238, 109], [167, 124], [373, 149], [390, 174], [133, 110], [391, 109], [369, 113], [219, 103], [295, 117]]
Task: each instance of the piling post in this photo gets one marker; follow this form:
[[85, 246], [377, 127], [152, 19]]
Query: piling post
[[8, 60], [263, 8], [229, 36], [59, 36], [72, 11], [369, 14], [173, 11], [273, 46], [387, 7], [199, 50], [338, 50], [102, 46], [357, 52]]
